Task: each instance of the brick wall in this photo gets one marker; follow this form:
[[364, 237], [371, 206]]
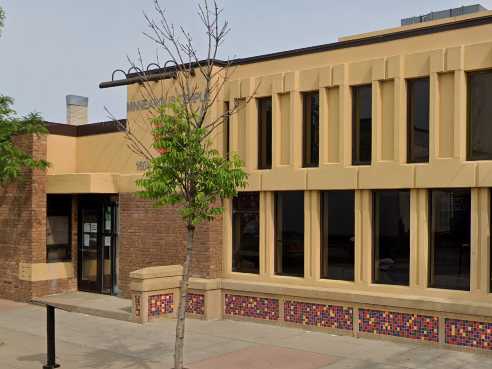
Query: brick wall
[[152, 236], [23, 228]]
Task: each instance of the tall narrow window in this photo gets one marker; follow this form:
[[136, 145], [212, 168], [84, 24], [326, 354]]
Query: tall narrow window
[[337, 235], [418, 120], [227, 130], [449, 239], [361, 125], [58, 228], [246, 232], [289, 233], [391, 246], [480, 115], [265, 133], [310, 135]]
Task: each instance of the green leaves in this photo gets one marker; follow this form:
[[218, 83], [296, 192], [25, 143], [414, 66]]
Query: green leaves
[[13, 160], [187, 171]]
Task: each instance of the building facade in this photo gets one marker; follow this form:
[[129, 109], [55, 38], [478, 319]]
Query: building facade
[[367, 208]]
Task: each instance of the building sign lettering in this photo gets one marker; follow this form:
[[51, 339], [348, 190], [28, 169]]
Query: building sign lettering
[[146, 104]]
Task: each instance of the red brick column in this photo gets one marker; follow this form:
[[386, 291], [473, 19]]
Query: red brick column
[[22, 224], [150, 236], [23, 229]]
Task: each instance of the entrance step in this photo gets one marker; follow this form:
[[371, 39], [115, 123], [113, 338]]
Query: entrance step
[[89, 303]]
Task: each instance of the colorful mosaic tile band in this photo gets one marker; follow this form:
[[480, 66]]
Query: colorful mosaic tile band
[[195, 304], [137, 305], [389, 323], [319, 315], [161, 304], [252, 307], [468, 333]]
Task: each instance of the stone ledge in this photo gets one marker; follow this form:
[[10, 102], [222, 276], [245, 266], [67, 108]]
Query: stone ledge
[[35, 272], [157, 272], [415, 302]]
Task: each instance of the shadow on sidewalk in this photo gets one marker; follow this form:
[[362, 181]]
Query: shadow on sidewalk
[[115, 356]]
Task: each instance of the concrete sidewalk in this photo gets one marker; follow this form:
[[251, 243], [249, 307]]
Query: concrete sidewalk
[[92, 342]]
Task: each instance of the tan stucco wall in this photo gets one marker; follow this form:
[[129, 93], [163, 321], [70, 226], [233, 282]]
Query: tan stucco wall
[[444, 57], [61, 153]]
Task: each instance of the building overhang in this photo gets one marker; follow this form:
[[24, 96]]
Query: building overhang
[[103, 183]]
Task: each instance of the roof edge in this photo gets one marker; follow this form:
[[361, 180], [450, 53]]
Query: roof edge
[[70, 130], [346, 43]]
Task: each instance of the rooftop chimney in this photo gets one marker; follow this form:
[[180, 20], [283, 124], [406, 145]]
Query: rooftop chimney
[[77, 110]]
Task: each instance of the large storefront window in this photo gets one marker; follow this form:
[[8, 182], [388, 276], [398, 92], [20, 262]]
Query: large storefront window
[[289, 233], [246, 233], [337, 235], [479, 113], [391, 246], [310, 152], [418, 120], [449, 239], [58, 228], [265, 133], [361, 125]]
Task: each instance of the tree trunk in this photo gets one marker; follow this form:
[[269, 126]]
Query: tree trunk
[[180, 323]]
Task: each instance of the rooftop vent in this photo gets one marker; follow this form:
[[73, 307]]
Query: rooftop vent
[[463, 10]]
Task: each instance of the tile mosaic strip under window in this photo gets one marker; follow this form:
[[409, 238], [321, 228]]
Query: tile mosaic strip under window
[[468, 333], [252, 307], [389, 323], [195, 304], [319, 315], [161, 304]]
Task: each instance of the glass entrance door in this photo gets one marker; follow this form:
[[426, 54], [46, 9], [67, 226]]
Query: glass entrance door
[[97, 245]]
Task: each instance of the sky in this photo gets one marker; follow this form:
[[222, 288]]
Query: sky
[[51, 48]]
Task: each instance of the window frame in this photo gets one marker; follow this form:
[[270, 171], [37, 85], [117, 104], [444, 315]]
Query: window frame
[[307, 120], [226, 131], [265, 134], [233, 213], [374, 236], [469, 75], [276, 238], [69, 215], [356, 125], [410, 127], [324, 237], [431, 248]]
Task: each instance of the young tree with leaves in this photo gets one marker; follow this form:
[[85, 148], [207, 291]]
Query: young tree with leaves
[[13, 160], [191, 174], [184, 168]]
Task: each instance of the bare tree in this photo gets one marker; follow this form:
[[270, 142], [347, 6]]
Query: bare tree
[[197, 81]]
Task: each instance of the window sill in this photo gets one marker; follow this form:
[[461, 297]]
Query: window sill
[[459, 303]]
